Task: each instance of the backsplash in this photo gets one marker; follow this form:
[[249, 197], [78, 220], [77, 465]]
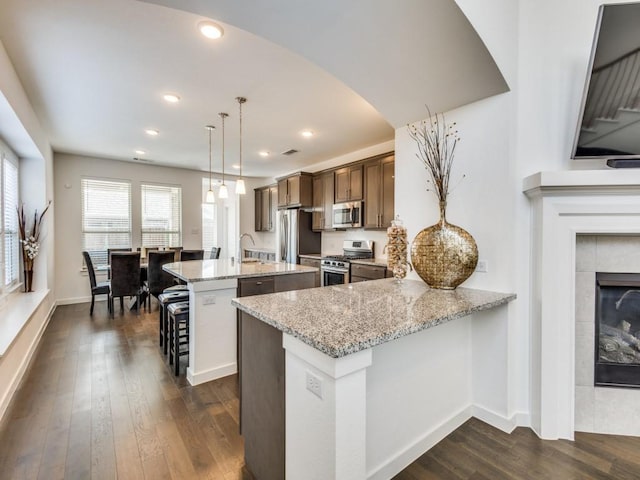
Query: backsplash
[[332, 241]]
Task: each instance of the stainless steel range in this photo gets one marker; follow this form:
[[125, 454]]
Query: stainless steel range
[[335, 268]]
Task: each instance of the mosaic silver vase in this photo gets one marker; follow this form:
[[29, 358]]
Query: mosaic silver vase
[[444, 255]]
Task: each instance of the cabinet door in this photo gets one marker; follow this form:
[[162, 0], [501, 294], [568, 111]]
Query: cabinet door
[[258, 211], [273, 193], [355, 183], [282, 192], [388, 192], [341, 183], [327, 207], [318, 204], [372, 194], [267, 221], [293, 184]]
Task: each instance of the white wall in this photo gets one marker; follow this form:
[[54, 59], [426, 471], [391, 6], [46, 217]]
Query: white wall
[[23, 133], [71, 284]]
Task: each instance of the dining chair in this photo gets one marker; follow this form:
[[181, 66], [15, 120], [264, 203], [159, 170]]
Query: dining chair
[[186, 255], [102, 288], [215, 253], [125, 278], [109, 252], [157, 278], [177, 251]]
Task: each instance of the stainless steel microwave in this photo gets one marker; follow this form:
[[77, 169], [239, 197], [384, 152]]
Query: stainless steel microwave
[[347, 215]]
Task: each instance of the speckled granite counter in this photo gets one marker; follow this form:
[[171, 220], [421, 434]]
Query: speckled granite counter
[[341, 320], [313, 256], [382, 262], [206, 270]]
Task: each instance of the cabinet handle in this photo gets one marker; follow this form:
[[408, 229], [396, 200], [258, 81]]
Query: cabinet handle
[[258, 283]]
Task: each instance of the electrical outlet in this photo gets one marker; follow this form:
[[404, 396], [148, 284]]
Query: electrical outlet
[[314, 384], [209, 300], [483, 266]]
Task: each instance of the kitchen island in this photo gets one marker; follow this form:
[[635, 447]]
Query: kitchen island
[[213, 320], [368, 383]]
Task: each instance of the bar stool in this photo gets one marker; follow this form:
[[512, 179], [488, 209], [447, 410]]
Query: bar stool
[[176, 288], [164, 300], [178, 314]]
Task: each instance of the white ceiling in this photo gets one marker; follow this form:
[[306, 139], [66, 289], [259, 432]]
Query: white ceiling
[[95, 71]]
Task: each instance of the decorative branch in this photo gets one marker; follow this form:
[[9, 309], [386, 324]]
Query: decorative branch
[[436, 143]]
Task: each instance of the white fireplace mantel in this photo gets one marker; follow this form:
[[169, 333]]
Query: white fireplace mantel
[[565, 204]]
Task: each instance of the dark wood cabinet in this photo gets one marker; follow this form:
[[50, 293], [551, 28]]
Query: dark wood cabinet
[[261, 367], [379, 190], [312, 262], [322, 201], [362, 273], [295, 191], [348, 183], [265, 208]]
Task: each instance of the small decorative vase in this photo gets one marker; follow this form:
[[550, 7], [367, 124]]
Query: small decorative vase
[[28, 280], [444, 255]]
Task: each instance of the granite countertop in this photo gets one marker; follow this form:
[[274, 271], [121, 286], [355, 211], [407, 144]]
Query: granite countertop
[[205, 270], [259, 250], [372, 261], [341, 320], [314, 256]]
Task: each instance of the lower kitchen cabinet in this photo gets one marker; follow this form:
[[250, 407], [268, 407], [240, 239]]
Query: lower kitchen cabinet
[[362, 273], [312, 262]]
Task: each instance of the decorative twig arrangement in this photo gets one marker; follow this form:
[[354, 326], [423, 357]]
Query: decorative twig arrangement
[[30, 240], [436, 148]]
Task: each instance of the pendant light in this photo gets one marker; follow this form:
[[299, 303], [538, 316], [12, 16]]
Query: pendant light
[[210, 198], [223, 193], [240, 187]]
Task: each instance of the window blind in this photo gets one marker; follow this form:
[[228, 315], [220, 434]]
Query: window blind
[[106, 217], [161, 216], [10, 237]]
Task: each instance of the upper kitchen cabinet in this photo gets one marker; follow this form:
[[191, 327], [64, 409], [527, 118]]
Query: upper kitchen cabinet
[[348, 184], [379, 191], [295, 191], [265, 208], [322, 201]]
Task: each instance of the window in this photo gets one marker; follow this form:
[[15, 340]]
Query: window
[[9, 239], [220, 221], [106, 217], [161, 216]]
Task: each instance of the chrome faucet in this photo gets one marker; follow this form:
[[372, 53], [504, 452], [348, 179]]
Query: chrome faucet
[[240, 244]]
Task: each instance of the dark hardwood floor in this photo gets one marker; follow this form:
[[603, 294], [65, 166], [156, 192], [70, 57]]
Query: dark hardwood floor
[[99, 401]]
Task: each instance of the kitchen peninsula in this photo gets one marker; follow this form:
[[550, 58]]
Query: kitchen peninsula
[[365, 376], [212, 319]]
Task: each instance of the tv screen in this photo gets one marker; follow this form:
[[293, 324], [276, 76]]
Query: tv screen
[[609, 126]]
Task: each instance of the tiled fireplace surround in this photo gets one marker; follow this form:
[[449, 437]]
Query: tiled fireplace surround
[[601, 409], [582, 221]]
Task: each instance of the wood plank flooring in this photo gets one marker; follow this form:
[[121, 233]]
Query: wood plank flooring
[[99, 401]]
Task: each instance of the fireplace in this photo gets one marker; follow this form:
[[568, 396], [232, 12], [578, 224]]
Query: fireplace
[[617, 339]]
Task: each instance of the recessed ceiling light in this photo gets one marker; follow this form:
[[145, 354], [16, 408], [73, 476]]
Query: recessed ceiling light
[[171, 97], [210, 29], [152, 132], [236, 166], [306, 133], [263, 153], [141, 152]]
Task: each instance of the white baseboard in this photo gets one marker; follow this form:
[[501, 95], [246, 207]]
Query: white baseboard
[[211, 374], [506, 424], [395, 465], [22, 368], [74, 300]]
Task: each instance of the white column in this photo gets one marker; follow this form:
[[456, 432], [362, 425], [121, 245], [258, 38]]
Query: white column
[[326, 435], [212, 330]]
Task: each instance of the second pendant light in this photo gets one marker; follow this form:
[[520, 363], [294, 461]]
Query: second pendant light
[[223, 193]]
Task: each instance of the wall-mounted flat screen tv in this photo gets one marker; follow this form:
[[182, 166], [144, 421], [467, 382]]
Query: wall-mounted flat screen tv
[[609, 125]]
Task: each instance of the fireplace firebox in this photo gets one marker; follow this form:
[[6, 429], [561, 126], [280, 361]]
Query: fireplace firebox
[[617, 339]]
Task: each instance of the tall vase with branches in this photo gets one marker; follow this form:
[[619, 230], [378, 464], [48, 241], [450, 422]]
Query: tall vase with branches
[[30, 241], [443, 255]]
